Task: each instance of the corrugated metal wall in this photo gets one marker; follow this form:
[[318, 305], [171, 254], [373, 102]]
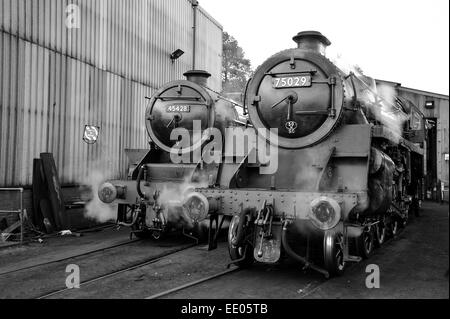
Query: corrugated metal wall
[[55, 80], [441, 113]]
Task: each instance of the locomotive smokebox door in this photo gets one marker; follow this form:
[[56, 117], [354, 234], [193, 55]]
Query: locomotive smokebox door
[[299, 92], [180, 104]]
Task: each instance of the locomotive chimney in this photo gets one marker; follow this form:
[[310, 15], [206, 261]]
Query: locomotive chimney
[[313, 41], [199, 77]]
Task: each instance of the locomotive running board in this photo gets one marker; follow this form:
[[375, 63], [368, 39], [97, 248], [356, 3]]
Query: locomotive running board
[[379, 131]]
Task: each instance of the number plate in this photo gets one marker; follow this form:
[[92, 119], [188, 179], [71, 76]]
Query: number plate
[[292, 82], [179, 109]]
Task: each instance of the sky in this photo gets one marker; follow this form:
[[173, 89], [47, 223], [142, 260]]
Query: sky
[[404, 41]]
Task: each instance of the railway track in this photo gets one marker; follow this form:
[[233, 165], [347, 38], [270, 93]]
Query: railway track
[[310, 288], [307, 290], [69, 257], [193, 283], [121, 271]]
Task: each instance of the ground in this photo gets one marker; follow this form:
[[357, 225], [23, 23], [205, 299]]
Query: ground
[[413, 265]]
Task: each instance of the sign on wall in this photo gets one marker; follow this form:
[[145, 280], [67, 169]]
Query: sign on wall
[[91, 134]]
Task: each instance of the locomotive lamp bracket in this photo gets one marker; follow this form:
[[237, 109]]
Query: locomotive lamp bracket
[[256, 99], [292, 63]]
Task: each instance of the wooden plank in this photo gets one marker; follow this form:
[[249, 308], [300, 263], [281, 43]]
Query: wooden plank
[[39, 192], [45, 208], [55, 193], [8, 231]]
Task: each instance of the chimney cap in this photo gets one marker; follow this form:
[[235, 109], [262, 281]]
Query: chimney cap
[[197, 73], [311, 34]]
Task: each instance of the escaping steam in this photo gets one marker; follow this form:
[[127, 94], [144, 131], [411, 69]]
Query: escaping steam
[[90, 175], [175, 193], [96, 209], [378, 99], [390, 116], [306, 178]]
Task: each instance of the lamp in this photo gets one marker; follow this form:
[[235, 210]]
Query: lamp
[[176, 55], [429, 105]]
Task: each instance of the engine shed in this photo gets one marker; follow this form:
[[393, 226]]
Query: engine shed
[[67, 70]]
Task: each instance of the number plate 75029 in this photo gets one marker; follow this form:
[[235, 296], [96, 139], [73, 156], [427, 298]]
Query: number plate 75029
[[292, 82]]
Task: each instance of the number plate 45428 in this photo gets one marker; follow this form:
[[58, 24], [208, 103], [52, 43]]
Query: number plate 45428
[[179, 109]]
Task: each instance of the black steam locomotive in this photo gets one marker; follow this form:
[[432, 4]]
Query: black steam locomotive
[[349, 163]]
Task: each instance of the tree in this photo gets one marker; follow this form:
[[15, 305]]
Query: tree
[[236, 68]]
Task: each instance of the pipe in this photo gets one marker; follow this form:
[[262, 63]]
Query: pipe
[[297, 257], [12, 189], [138, 183], [134, 220], [288, 249], [194, 31]]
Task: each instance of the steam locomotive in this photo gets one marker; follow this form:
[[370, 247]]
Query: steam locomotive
[[159, 195], [349, 163]]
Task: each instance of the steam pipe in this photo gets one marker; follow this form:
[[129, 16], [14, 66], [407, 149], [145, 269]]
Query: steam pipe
[[245, 98], [135, 217], [297, 257], [138, 183]]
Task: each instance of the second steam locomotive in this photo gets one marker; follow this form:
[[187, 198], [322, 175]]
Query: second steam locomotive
[[349, 161]]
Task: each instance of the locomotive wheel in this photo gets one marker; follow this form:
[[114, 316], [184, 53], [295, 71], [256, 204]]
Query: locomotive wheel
[[241, 252], [333, 246], [380, 233], [365, 243]]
